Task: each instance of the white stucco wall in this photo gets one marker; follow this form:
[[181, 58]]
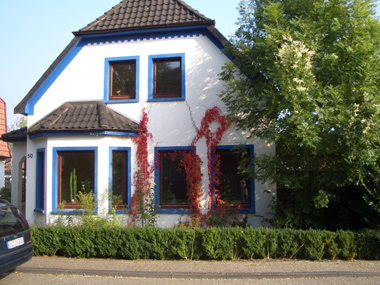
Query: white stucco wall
[[169, 122]]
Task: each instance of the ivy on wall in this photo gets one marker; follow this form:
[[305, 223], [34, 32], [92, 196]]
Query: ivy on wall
[[191, 163]]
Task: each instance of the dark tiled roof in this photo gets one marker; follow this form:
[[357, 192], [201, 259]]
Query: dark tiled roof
[[143, 14], [18, 135], [84, 116]]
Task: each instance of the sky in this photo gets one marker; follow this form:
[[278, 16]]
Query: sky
[[34, 32]]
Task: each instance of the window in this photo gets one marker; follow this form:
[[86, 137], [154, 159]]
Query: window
[[120, 177], [234, 187], [171, 179], [166, 77], [40, 180], [74, 170], [121, 79]]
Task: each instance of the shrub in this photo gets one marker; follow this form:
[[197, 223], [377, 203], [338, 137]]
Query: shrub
[[212, 244]]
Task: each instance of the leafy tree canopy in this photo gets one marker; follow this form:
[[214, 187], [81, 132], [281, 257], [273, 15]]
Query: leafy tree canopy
[[306, 76]]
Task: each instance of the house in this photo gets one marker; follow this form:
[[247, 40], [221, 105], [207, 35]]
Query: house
[[152, 63], [4, 148]]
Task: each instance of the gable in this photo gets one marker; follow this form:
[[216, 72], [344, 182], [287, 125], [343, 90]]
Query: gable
[[131, 20]]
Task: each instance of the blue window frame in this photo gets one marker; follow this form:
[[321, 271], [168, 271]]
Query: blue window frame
[[170, 179], [234, 188], [166, 78], [120, 177], [85, 162], [40, 181], [121, 79]]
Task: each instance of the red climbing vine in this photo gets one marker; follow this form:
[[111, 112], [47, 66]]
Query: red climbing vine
[[190, 162], [142, 176]]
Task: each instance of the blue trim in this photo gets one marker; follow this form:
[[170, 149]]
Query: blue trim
[[116, 36], [151, 58], [127, 174], [40, 185], [55, 178], [145, 34], [157, 179], [29, 107], [116, 134], [251, 154], [107, 63]]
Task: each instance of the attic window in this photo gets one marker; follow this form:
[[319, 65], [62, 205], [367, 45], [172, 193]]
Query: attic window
[[121, 79], [166, 77]]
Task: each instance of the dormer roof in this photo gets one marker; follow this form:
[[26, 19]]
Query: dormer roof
[[85, 116]]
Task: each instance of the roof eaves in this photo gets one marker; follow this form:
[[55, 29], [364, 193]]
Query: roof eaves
[[140, 28]]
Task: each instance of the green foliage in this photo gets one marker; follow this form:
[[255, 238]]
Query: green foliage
[[5, 192], [73, 185], [308, 81], [211, 244]]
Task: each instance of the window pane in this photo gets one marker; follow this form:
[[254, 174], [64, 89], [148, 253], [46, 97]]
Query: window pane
[[84, 164], [118, 177], [173, 190], [167, 78], [123, 80], [40, 180], [234, 188]]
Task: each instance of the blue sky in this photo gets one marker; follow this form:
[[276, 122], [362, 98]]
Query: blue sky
[[34, 33]]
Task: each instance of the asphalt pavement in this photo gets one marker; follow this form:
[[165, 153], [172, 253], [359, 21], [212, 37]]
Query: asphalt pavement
[[190, 269]]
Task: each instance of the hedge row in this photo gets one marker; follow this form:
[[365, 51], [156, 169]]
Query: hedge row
[[212, 244]]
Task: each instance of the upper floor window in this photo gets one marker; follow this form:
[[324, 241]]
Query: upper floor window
[[121, 79], [166, 77]]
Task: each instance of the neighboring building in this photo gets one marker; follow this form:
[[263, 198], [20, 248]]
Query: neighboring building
[[161, 56], [4, 148]]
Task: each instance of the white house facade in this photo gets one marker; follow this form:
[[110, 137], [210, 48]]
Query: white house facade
[[84, 114]]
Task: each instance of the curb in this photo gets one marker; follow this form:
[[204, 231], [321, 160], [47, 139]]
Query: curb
[[195, 275]]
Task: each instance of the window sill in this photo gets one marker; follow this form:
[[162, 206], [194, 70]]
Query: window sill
[[173, 211], [41, 211], [107, 101], [71, 212], [166, 99]]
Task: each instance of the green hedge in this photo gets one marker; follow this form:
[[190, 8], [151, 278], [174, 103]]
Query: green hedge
[[211, 244]]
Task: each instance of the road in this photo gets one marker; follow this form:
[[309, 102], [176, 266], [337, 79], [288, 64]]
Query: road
[[48, 279]]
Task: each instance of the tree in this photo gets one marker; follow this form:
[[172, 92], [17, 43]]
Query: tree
[[19, 123], [306, 77]]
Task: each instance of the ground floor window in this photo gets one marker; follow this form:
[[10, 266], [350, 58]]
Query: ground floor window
[[171, 178], [75, 170], [40, 180], [235, 188], [120, 177]]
